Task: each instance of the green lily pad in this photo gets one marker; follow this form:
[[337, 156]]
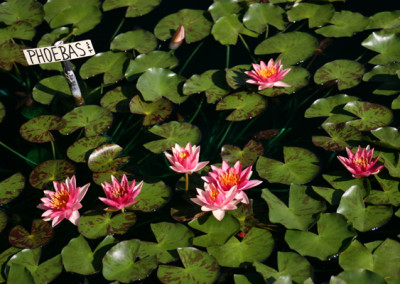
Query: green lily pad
[[140, 40], [77, 256], [21, 11], [384, 20], [333, 230], [258, 16], [77, 151], [11, 187], [101, 177], [371, 115], [115, 100], [235, 76], [37, 129], [155, 83], [93, 225], [386, 44], [49, 87], [245, 105], [199, 268], [357, 276], [120, 263], [169, 237], [51, 170], [41, 234], [248, 156], [105, 158], [152, 197], [344, 24], [136, 8], [223, 8], [2, 112], [340, 135], [300, 166], [317, 14], [54, 7], [212, 82], [196, 25], [390, 197], [19, 274], [396, 103], [346, 73], [342, 180], [292, 46], [327, 106], [174, 132], [19, 31], [11, 53], [363, 218], [302, 212], [386, 77], [153, 59], [4, 257], [154, 112], [3, 220], [289, 264], [112, 64], [93, 118], [217, 232], [389, 137], [41, 273], [257, 245], [227, 29]]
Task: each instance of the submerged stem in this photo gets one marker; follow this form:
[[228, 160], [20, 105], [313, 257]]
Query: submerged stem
[[228, 51], [186, 182], [247, 48], [197, 111], [53, 149], [29, 161], [190, 58]]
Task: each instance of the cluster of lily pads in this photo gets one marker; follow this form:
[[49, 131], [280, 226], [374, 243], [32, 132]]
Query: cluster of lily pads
[[169, 73]]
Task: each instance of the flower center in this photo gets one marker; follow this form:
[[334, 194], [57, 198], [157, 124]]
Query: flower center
[[214, 194], [118, 191], [183, 155], [60, 199], [229, 178], [363, 162], [267, 72]]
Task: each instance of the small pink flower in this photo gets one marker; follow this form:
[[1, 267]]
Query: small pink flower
[[228, 177], [64, 202], [185, 160], [216, 200], [267, 76], [120, 195], [361, 163]]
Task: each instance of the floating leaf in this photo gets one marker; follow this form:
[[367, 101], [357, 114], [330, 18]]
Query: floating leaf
[[223, 8], [37, 129], [384, 20], [385, 43], [51, 170], [20, 31], [227, 29], [11, 187], [396, 103], [154, 112], [196, 25], [93, 118], [11, 53], [199, 267], [174, 132], [4, 256], [333, 230], [357, 276], [19, 274], [21, 11], [3, 221], [317, 14], [115, 100], [386, 77], [248, 156], [344, 24], [77, 151], [342, 180], [293, 46], [235, 76], [152, 197], [258, 16], [327, 106], [300, 167], [112, 64], [49, 87], [347, 73], [41, 234], [136, 8], [105, 158], [140, 40], [245, 105], [339, 134], [101, 177]]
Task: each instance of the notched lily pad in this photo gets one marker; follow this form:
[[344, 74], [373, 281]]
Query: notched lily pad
[[105, 158], [140, 40], [45, 91], [340, 136], [21, 11], [115, 100], [388, 136], [259, 15], [152, 197], [248, 156], [385, 20], [11, 53], [154, 112], [17, 31], [387, 44], [77, 151], [317, 14], [220, 9], [37, 129], [235, 76], [136, 8], [51, 170], [41, 234], [11, 187], [327, 106], [386, 78], [344, 24], [227, 29]]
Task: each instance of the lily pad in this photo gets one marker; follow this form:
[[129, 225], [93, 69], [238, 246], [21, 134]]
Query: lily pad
[[317, 14], [333, 230], [174, 132], [105, 158], [11, 53], [344, 24], [223, 8], [293, 46], [259, 15], [396, 103], [21, 11], [152, 197], [384, 20], [101, 177], [248, 156], [235, 76], [300, 166], [3, 220], [342, 180], [77, 151], [196, 25], [140, 40], [93, 118], [340, 135], [19, 31], [357, 276], [51, 170], [112, 64], [120, 263], [227, 29], [136, 8], [37, 129], [347, 73], [4, 257], [154, 112], [386, 77], [48, 40], [199, 268], [45, 91], [302, 212], [327, 106], [115, 100], [11, 187], [386, 44], [245, 105], [41, 234]]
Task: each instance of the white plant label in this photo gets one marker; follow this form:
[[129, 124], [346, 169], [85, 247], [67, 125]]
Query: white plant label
[[58, 53]]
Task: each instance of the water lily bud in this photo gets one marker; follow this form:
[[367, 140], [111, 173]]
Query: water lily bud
[[178, 37]]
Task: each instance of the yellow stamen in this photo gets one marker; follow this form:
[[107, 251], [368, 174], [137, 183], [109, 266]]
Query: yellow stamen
[[60, 199], [214, 194], [267, 72], [363, 162], [184, 154], [229, 178], [118, 192]]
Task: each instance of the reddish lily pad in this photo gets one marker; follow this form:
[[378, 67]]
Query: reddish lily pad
[[152, 197], [3, 221], [326, 106], [199, 267], [387, 44], [340, 135], [77, 151], [154, 112], [344, 24], [11, 187], [105, 158], [2, 112], [386, 77], [196, 25], [245, 105], [37, 130], [235, 76], [174, 132], [11, 53], [140, 40], [45, 91], [115, 100], [136, 8], [41, 234], [300, 166], [248, 156], [21, 11], [20, 31], [94, 119], [220, 9], [101, 177], [317, 14], [259, 15], [52, 170]]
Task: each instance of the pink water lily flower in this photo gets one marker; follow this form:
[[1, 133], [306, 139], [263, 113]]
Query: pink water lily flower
[[120, 195], [361, 163], [185, 160], [228, 177], [64, 202], [267, 76], [215, 199]]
